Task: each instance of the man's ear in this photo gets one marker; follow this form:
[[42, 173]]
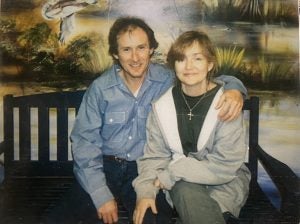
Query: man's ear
[[151, 51], [116, 56], [210, 66]]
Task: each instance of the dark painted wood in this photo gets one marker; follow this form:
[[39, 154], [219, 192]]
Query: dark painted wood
[[31, 188], [62, 134], [43, 134]]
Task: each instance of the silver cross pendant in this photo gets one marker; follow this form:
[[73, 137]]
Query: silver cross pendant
[[190, 115]]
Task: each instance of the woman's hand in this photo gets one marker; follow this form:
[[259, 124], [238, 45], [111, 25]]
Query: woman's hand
[[141, 207], [158, 184]]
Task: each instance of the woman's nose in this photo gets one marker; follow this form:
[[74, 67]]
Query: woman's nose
[[188, 64]]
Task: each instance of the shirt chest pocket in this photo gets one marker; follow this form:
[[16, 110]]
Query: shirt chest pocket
[[114, 118], [112, 129]]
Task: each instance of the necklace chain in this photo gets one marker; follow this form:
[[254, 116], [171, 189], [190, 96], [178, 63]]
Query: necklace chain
[[190, 114]]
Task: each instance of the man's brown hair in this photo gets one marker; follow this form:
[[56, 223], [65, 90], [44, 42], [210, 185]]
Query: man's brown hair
[[124, 24]]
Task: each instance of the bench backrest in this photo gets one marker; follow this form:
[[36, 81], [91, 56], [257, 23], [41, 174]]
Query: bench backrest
[[28, 123], [21, 156]]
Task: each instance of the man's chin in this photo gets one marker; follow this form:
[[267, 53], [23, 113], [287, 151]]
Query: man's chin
[[136, 74]]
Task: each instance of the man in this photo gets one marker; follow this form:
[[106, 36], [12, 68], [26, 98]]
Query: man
[[109, 132]]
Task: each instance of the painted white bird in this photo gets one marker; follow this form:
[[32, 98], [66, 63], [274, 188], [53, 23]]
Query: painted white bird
[[65, 11]]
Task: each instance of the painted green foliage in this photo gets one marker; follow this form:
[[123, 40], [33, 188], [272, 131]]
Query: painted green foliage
[[35, 49]]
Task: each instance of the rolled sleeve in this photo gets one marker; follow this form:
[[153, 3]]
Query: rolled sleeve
[[232, 82], [101, 195]]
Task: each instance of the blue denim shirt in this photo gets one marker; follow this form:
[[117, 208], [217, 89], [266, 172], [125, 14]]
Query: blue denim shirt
[[112, 121]]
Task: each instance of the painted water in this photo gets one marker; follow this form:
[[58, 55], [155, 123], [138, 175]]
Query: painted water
[[279, 133]]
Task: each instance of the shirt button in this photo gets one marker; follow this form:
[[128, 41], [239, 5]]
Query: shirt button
[[130, 137], [111, 120], [128, 155], [133, 119]]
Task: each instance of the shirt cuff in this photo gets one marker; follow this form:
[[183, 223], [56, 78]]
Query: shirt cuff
[[232, 82], [101, 196]]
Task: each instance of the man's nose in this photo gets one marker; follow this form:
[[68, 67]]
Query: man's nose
[[134, 55]]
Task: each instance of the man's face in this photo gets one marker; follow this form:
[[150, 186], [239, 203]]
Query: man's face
[[134, 53]]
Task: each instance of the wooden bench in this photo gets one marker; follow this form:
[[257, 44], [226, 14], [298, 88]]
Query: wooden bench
[[34, 182]]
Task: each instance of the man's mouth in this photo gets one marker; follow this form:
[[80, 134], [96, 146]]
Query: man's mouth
[[136, 65]]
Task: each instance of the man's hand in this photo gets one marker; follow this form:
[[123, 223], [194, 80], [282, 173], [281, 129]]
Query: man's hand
[[109, 212], [141, 207], [230, 105]]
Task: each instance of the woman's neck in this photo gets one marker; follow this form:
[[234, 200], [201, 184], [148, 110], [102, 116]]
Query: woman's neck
[[197, 90]]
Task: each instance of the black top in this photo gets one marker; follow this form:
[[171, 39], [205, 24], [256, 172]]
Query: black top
[[189, 129]]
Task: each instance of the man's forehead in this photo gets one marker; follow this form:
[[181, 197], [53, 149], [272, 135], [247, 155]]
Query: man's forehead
[[135, 33], [131, 31]]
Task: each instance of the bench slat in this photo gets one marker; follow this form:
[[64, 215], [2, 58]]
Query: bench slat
[[32, 169], [8, 128], [62, 134], [43, 136], [24, 133]]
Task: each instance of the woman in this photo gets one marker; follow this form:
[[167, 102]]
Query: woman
[[194, 157]]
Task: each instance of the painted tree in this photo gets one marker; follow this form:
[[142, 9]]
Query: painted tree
[[33, 39], [88, 53]]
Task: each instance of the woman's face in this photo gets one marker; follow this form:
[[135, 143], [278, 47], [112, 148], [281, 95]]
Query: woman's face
[[192, 71]]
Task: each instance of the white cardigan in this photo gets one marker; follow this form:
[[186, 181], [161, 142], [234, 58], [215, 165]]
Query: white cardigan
[[218, 163]]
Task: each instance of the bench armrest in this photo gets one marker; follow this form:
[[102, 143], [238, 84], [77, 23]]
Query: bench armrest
[[286, 181], [1, 151], [2, 144], [2, 147]]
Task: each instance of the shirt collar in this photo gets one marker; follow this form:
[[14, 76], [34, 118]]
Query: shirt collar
[[112, 77], [158, 73]]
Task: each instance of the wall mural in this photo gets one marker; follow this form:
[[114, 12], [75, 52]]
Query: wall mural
[[54, 45]]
